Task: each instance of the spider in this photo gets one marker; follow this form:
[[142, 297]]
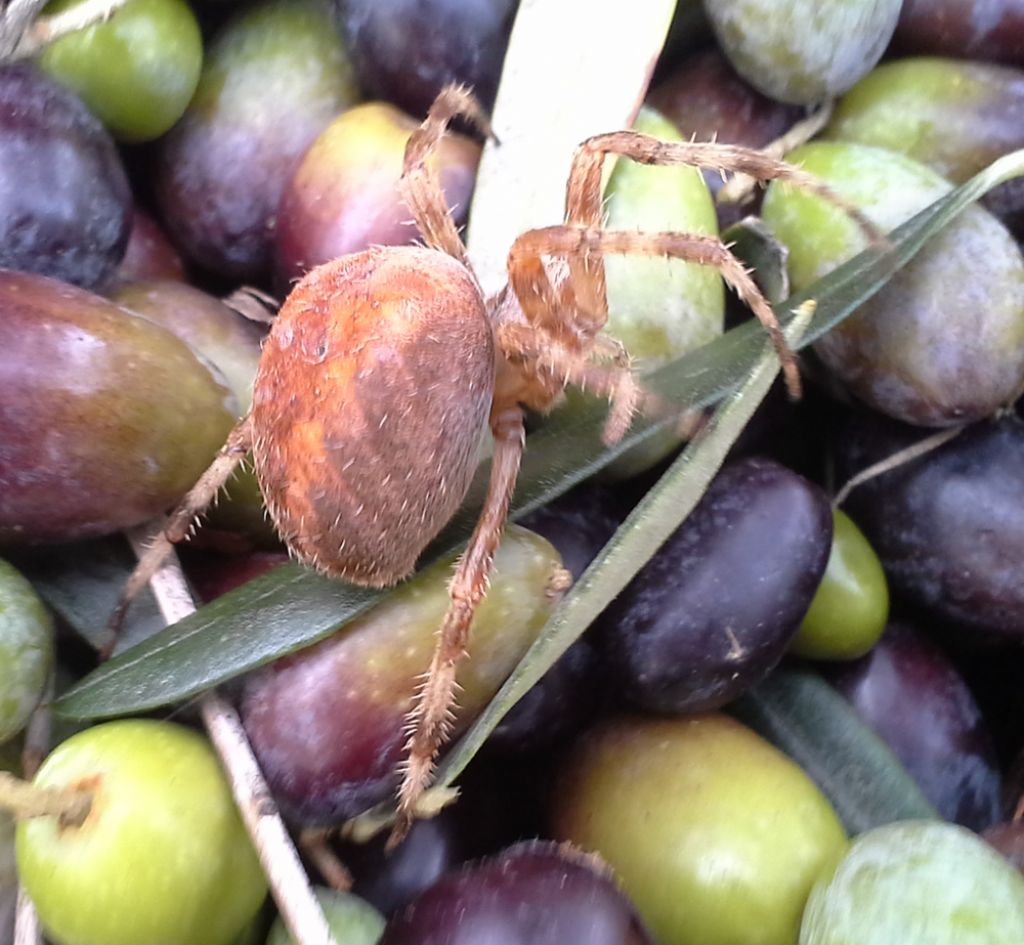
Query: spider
[[382, 368]]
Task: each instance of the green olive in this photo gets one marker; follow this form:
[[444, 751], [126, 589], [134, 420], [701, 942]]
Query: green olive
[[943, 342], [136, 71], [715, 835], [851, 606], [26, 650]]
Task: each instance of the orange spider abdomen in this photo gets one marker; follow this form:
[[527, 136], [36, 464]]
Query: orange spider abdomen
[[372, 394]]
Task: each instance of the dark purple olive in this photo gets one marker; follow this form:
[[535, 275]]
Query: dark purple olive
[[532, 894], [65, 205], [273, 78], [713, 612], [908, 691], [406, 51], [992, 30], [389, 879], [949, 526]]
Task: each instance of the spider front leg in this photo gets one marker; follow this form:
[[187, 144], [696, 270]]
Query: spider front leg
[[584, 209], [431, 718], [195, 502], [420, 183], [587, 246]]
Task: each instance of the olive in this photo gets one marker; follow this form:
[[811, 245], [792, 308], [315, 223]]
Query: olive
[[350, 694], [948, 526], [344, 195], [107, 418], [714, 610], [943, 342], [65, 205], [918, 882], [26, 650], [956, 117], [136, 70], [715, 835], [803, 51], [851, 605], [273, 78]]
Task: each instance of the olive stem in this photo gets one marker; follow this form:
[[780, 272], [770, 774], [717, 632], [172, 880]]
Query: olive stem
[[897, 459], [48, 29], [26, 800], [288, 882]]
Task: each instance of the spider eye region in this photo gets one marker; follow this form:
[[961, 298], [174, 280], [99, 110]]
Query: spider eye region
[[365, 451]]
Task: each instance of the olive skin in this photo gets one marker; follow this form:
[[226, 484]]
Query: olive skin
[[956, 117], [949, 526], [907, 690], [350, 695], [851, 606], [803, 51], [917, 881], [65, 204], [713, 612], [406, 51], [990, 33], [344, 195], [106, 419], [715, 835], [370, 402], [536, 892], [26, 650], [149, 254], [943, 342], [273, 78], [137, 70]]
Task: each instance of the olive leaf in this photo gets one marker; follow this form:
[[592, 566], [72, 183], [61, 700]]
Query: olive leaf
[[803, 715], [661, 511], [290, 608]]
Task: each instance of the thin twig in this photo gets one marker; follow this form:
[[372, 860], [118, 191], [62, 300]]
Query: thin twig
[[48, 29], [740, 187], [35, 748], [289, 884], [899, 458]]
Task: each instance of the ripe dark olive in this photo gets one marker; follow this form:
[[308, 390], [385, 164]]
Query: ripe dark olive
[[65, 206], [539, 893], [714, 610], [909, 692], [406, 51], [949, 526]]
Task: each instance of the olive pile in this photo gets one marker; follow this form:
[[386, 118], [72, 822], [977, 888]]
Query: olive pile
[[155, 162]]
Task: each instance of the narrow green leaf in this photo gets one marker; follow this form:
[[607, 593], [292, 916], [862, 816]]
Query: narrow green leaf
[[291, 608], [649, 525], [801, 714]]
